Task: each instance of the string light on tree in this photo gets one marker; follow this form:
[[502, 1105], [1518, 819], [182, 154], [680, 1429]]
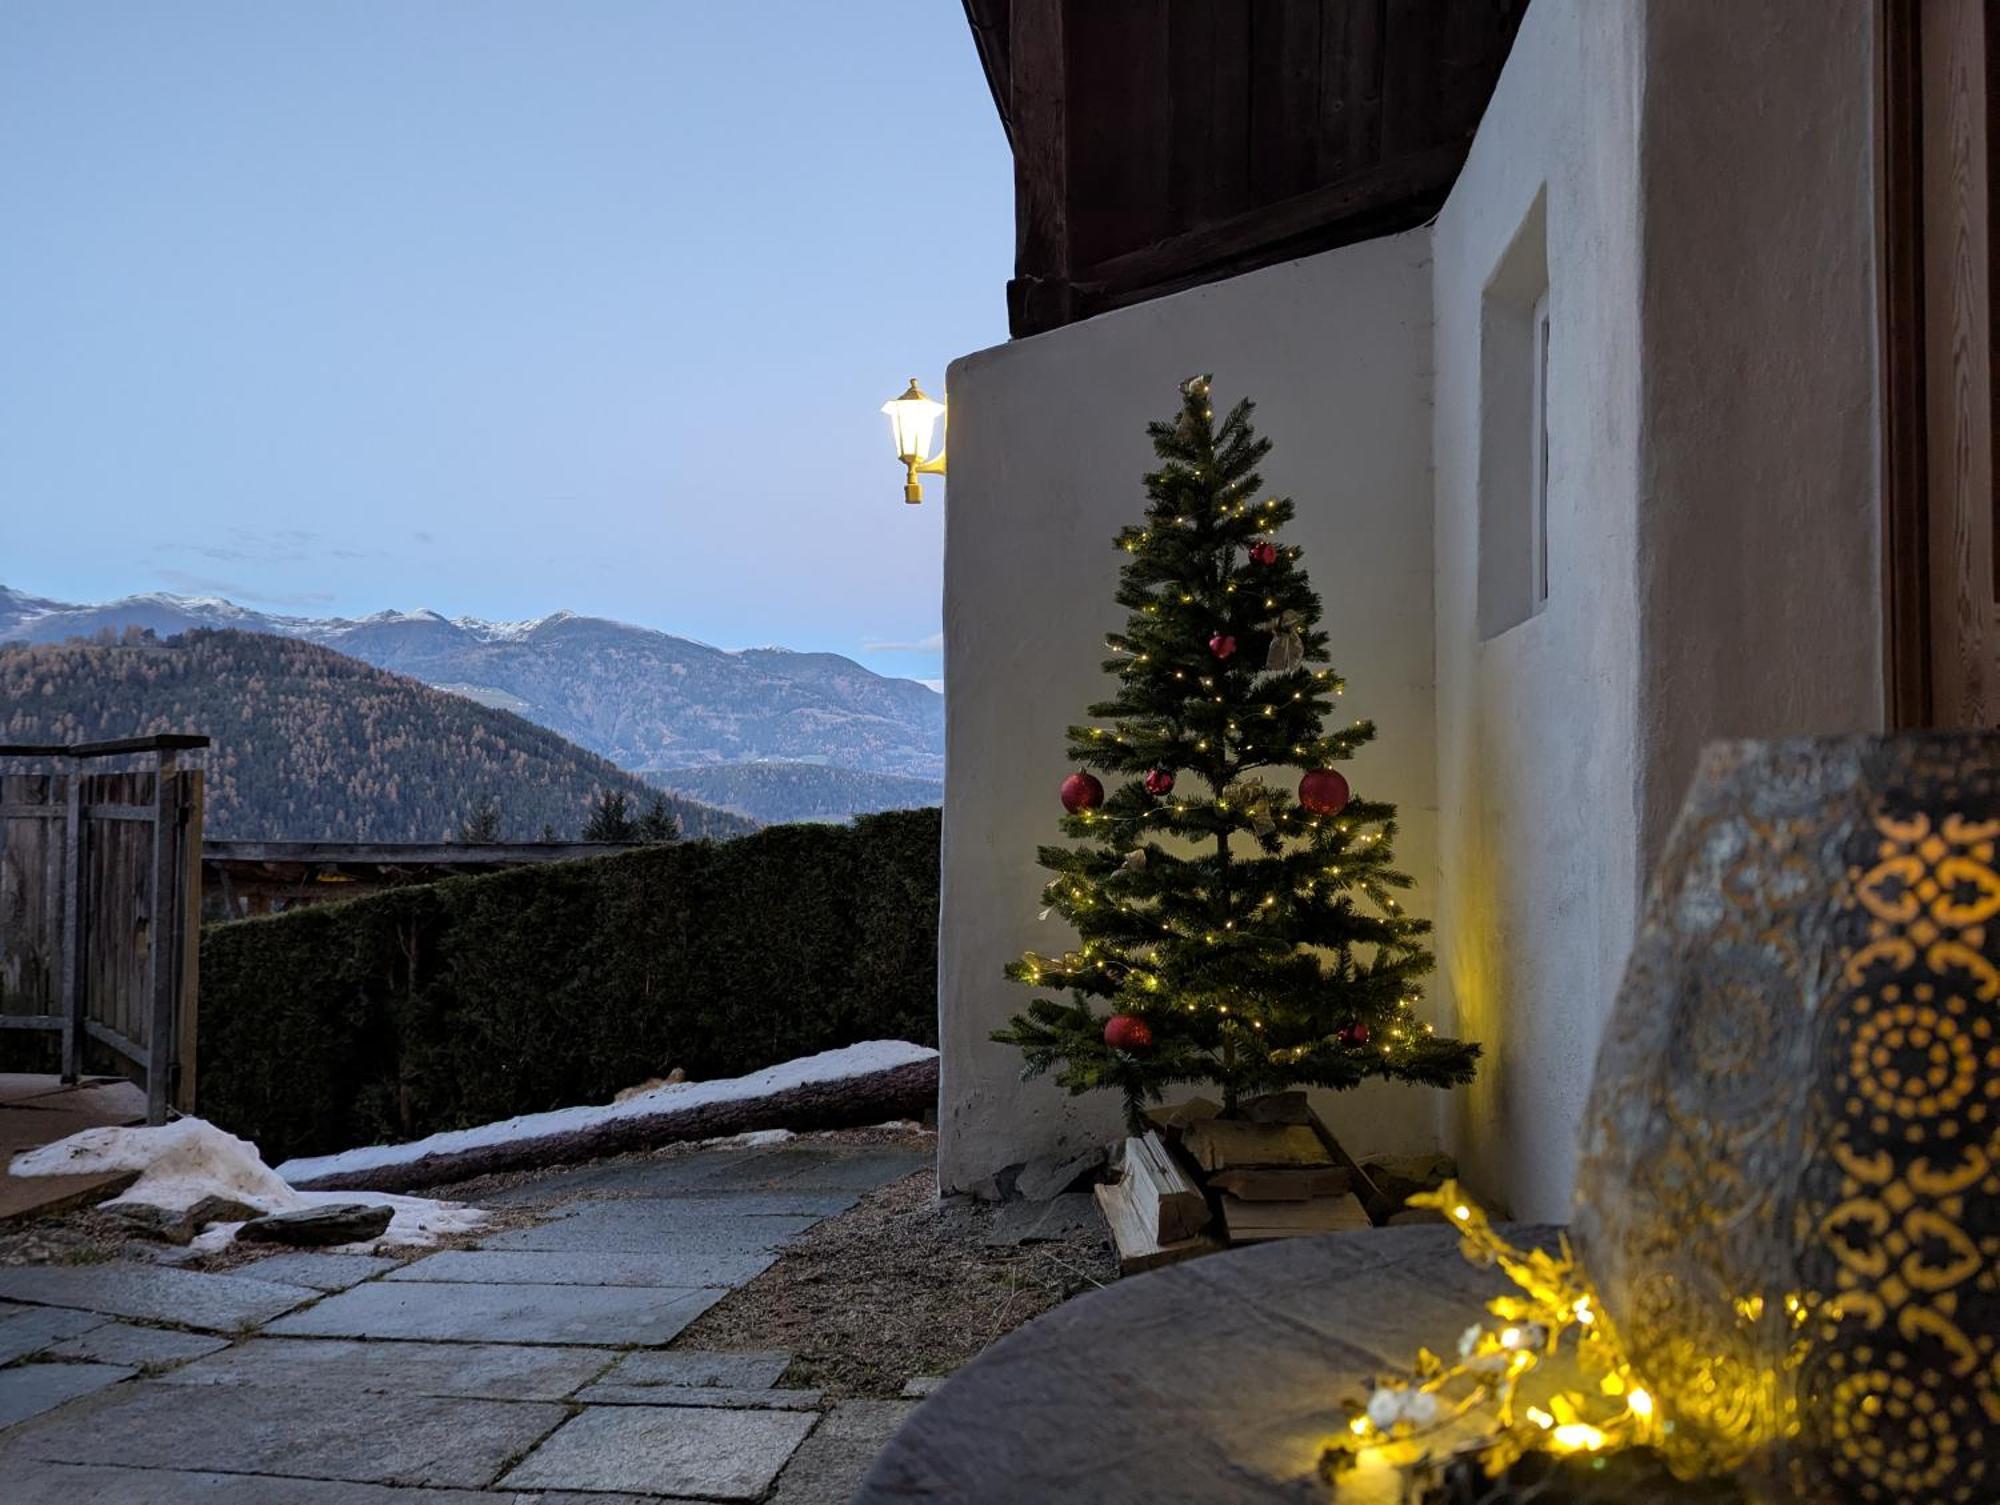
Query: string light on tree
[[1245, 935]]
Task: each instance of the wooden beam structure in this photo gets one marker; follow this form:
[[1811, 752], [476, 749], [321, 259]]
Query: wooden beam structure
[[1162, 144]]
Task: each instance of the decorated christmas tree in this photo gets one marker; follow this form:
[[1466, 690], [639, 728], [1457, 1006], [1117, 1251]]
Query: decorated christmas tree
[[1227, 932]]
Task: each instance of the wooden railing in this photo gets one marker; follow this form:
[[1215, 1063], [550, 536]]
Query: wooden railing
[[100, 899]]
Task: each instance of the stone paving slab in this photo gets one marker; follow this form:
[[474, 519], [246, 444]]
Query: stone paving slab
[[98, 1484], [651, 1227], [320, 1270], [367, 1437], [670, 1176], [122, 1343], [829, 1466], [619, 1316], [669, 1268], [694, 1367], [706, 1202], [30, 1329], [473, 1371], [822, 1168], [721, 1455], [29, 1389], [121, 1288], [717, 1396]]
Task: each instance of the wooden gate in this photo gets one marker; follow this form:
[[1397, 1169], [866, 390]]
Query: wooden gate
[[100, 906]]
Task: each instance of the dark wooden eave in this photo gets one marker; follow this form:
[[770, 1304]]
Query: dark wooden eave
[[1163, 144]]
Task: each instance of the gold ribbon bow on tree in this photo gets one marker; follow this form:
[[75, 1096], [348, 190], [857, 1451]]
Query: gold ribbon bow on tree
[[1288, 647]]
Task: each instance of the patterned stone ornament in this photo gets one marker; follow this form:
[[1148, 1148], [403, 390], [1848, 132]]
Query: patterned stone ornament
[[1789, 1198]]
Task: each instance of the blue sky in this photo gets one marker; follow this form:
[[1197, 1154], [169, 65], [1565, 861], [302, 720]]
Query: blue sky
[[492, 307]]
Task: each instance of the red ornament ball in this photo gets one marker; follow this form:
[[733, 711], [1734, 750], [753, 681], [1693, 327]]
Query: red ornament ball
[[1323, 791], [1128, 1032], [1081, 791], [1159, 782], [1222, 645], [1354, 1034], [1263, 552]]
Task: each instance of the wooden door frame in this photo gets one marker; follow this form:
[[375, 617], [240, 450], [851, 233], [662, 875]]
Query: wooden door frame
[[1906, 594]]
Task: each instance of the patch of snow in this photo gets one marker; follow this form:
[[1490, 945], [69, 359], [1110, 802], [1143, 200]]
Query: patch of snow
[[827, 1066], [182, 1162], [756, 1139]]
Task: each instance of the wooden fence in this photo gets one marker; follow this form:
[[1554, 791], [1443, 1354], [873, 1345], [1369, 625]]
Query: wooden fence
[[100, 899]]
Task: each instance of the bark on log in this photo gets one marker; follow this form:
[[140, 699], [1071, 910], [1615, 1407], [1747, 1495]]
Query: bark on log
[[904, 1091]]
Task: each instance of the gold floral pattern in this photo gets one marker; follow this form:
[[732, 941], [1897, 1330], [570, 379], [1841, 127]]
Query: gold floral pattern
[[1790, 1191]]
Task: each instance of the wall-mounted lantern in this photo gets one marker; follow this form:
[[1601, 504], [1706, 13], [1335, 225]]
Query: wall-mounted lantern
[[913, 418]]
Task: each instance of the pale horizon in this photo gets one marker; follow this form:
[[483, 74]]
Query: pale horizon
[[492, 311]]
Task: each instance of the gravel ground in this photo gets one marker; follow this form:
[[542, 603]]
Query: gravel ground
[[899, 1285]]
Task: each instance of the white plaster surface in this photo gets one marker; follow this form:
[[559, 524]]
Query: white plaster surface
[[1713, 507], [1535, 745], [1707, 173], [1048, 446]]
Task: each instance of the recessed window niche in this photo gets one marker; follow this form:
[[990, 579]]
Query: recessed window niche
[[1514, 344]]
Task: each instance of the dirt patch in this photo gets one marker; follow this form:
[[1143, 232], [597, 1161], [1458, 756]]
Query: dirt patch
[[83, 1237], [899, 1285]]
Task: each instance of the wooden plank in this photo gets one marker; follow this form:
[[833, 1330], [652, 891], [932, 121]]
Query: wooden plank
[[1958, 385], [162, 963], [125, 1048], [989, 23], [1298, 226], [187, 1005], [1208, 119], [1038, 297], [1138, 1251], [1906, 612], [1254, 1222], [176, 741], [1284, 98], [1350, 121], [1222, 1143], [1160, 1193], [140, 813], [1278, 1183], [1117, 128], [75, 922]]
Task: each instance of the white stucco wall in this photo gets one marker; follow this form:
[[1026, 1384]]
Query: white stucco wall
[[1047, 449], [1712, 510], [1705, 180], [1536, 726]]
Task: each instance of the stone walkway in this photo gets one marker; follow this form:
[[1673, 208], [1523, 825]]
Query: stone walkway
[[533, 1367]]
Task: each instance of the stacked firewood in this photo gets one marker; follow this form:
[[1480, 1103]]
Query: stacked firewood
[[1197, 1181]]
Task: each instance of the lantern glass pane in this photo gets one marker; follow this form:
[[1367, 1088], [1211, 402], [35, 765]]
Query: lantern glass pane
[[914, 422]]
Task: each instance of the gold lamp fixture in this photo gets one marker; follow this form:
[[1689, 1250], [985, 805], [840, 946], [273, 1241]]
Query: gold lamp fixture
[[913, 419]]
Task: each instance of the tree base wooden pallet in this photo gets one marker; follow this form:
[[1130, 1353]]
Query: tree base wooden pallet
[[1197, 1181]]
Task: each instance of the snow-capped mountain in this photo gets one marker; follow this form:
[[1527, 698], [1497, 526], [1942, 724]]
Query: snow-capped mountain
[[644, 699]]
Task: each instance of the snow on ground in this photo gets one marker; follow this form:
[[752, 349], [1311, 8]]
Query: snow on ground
[[829, 1066], [182, 1162]]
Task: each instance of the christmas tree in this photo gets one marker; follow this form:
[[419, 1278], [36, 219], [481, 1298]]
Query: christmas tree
[[1234, 934]]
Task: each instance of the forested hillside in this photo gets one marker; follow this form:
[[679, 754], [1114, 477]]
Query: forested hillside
[[313, 745]]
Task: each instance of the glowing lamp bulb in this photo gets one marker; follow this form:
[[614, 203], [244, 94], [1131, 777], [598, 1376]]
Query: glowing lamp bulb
[[913, 420], [1577, 1437]]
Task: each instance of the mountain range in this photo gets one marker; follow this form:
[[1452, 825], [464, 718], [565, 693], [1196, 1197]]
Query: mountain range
[[311, 745], [641, 698]]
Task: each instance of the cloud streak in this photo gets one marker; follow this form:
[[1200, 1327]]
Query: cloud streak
[[208, 585], [932, 644]]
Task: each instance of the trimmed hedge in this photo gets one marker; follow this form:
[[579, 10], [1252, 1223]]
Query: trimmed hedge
[[473, 999]]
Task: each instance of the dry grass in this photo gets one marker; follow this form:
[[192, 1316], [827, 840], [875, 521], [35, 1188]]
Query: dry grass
[[899, 1285]]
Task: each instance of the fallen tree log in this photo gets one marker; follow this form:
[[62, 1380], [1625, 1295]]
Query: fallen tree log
[[820, 1092]]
